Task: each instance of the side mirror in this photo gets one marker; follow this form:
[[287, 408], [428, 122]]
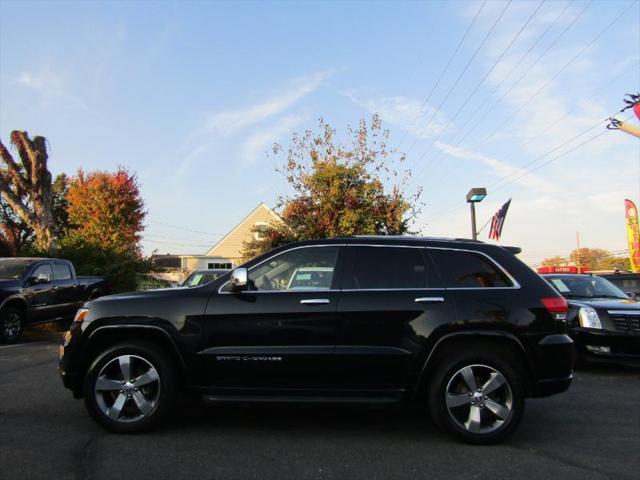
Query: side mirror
[[238, 280], [632, 296], [40, 278]]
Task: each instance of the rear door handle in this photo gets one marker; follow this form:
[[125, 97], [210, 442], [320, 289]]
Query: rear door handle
[[429, 299], [315, 301]]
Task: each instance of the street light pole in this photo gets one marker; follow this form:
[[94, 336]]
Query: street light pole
[[474, 230], [474, 196]]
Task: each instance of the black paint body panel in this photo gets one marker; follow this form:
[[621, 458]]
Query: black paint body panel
[[359, 344]]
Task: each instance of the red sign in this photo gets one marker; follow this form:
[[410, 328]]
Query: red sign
[[563, 269]]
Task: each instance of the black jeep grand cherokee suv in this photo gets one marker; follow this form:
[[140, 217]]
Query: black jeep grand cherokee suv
[[463, 326]]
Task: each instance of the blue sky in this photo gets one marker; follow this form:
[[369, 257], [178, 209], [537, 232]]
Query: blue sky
[[190, 96]]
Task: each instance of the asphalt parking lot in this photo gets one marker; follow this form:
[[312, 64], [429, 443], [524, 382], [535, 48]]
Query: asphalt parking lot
[[591, 432]]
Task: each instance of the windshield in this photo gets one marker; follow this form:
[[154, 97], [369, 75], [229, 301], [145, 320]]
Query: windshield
[[585, 286], [200, 278], [11, 269]]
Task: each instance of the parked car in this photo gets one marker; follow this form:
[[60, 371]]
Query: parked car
[[36, 290], [463, 326], [603, 321], [628, 282], [202, 277]]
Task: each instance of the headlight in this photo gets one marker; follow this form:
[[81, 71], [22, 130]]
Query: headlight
[[589, 318], [80, 315]]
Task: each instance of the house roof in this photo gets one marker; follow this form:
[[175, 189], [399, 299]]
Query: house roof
[[260, 206]]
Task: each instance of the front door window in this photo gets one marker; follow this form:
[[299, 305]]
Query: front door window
[[310, 268]]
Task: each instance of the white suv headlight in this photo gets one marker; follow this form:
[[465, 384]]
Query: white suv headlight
[[589, 318]]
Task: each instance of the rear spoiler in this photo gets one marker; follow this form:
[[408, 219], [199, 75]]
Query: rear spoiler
[[514, 250]]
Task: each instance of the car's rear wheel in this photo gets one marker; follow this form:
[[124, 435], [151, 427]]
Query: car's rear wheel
[[477, 396], [130, 387], [11, 324]]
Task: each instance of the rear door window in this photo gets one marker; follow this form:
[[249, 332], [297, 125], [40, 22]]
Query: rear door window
[[463, 269], [61, 271], [381, 268]]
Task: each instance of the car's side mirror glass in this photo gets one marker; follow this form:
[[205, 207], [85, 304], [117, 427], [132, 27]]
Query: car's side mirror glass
[[239, 279]]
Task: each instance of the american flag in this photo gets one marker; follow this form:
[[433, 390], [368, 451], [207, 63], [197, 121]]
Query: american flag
[[497, 222]]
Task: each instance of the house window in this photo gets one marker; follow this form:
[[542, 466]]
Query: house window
[[260, 230], [219, 266]]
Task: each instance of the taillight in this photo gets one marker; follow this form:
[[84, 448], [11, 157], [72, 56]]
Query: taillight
[[556, 306]]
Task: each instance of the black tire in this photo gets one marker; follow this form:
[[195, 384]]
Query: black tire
[[160, 394], [449, 379], [12, 322]]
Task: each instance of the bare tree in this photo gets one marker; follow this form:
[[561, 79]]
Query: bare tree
[[26, 187]]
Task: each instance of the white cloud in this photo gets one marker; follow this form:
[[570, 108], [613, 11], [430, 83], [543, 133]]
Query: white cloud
[[52, 86], [499, 168], [223, 123], [229, 121], [407, 113], [257, 143]]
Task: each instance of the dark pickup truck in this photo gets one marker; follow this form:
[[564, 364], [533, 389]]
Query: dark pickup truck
[[36, 290]]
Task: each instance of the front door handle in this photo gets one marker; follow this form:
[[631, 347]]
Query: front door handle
[[429, 299], [315, 301]]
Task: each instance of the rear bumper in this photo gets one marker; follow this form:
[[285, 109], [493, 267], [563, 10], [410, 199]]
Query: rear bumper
[[553, 365]]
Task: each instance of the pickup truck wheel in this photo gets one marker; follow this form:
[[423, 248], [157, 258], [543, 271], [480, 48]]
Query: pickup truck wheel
[[11, 324], [476, 396], [130, 387]]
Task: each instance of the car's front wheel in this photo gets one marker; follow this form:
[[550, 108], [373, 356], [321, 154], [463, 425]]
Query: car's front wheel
[[11, 324], [130, 387], [477, 396]]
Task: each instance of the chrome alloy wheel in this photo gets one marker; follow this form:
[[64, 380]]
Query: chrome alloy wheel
[[127, 388], [479, 398], [11, 325]]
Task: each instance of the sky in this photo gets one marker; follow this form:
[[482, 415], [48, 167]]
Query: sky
[[191, 96]]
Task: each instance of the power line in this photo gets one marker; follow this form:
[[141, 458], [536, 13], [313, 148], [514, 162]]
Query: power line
[[566, 142], [482, 80], [558, 120], [469, 62], [529, 68], [186, 229], [444, 70], [559, 72], [515, 67]]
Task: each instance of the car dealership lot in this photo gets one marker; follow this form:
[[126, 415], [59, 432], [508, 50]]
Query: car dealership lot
[[592, 431]]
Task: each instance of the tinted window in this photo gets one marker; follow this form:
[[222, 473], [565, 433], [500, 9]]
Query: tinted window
[[308, 268], [385, 267], [61, 271], [13, 269], [45, 268], [468, 270]]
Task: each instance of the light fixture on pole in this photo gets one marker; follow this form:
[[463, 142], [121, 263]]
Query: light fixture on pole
[[474, 196]]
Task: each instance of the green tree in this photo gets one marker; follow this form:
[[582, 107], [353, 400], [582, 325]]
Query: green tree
[[338, 189], [553, 261]]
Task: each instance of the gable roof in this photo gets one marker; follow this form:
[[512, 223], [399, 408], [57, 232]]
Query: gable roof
[[261, 207]]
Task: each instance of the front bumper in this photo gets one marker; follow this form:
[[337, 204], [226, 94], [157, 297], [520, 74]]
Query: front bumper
[[607, 345], [70, 378]]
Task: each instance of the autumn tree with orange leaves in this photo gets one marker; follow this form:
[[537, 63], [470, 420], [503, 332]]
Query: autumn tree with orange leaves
[[106, 211]]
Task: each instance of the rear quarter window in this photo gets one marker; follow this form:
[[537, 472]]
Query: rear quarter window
[[463, 269]]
